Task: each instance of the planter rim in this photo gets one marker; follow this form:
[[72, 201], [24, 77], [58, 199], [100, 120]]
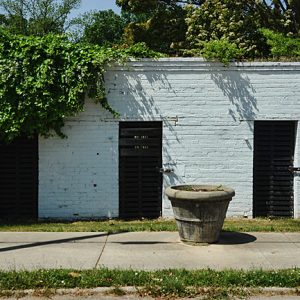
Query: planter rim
[[226, 193]]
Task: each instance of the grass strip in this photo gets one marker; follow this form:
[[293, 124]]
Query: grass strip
[[114, 226], [110, 226], [262, 225], [177, 282]]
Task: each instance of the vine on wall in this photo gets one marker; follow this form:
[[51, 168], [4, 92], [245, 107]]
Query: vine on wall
[[45, 79]]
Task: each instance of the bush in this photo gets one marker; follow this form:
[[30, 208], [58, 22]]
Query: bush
[[221, 50], [281, 45]]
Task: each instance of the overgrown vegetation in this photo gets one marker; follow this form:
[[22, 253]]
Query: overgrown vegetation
[[176, 282], [219, 50], [226, 30], [280, 45], [115, 226], [203, 21], [45, 79]]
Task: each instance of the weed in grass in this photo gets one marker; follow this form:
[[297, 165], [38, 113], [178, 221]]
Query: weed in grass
[[9, 294], [191, 292], [225, 293], [46, 293], [74, 274], [218, 294], [116, 291]]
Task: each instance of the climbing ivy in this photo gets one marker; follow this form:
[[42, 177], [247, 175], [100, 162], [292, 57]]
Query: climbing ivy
[[45, 79]]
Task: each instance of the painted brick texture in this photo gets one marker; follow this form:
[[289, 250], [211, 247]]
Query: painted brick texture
[[78, 176], [208, 113]]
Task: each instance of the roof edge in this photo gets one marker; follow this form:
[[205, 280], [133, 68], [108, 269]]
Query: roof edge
[[200, 64]]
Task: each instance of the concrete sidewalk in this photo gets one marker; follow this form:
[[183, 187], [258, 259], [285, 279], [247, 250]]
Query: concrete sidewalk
[[147, 251]]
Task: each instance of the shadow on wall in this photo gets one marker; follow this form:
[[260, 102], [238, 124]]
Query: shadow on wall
[[137, 94], [240, 92], [138, 103], [139, 91]]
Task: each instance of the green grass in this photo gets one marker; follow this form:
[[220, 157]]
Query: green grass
[[157, 283], [262, 225], [113, 226]]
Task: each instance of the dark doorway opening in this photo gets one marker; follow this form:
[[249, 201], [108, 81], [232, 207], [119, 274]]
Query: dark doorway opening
[[19, 179], [140, 161], [273, 181]]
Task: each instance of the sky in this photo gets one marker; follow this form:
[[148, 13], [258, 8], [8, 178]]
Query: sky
[[87, 5]]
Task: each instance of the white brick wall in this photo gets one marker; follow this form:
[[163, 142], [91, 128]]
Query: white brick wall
[[78, 176], [208, 112]]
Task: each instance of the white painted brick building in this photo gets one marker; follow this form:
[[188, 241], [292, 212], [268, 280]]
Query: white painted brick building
[[208, 113]]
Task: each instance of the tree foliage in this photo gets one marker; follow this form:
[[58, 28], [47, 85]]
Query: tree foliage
[[15, 24], [101, 27], [236, 22], [281, 15], [164, 25], [45, 79], [37, 17], [141, 6], [165, 28], [195, 22]]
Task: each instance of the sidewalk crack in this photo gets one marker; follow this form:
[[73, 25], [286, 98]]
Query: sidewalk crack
[[105, 242]]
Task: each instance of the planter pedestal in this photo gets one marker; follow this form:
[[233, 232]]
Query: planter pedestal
[[199, 211]]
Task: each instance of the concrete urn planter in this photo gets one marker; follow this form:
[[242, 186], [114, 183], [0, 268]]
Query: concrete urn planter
[[199, 210]]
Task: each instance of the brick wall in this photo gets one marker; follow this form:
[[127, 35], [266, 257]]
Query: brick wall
[[208, 113], [78, 176]]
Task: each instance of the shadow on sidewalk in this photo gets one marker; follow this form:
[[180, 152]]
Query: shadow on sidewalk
[[235, 238], [51, 242], [142, 242], [226, 238]]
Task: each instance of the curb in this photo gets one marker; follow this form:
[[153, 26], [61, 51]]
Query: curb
[[131, 290]]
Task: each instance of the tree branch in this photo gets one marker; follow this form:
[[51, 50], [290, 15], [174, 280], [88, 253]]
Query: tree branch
[[282, 6]]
